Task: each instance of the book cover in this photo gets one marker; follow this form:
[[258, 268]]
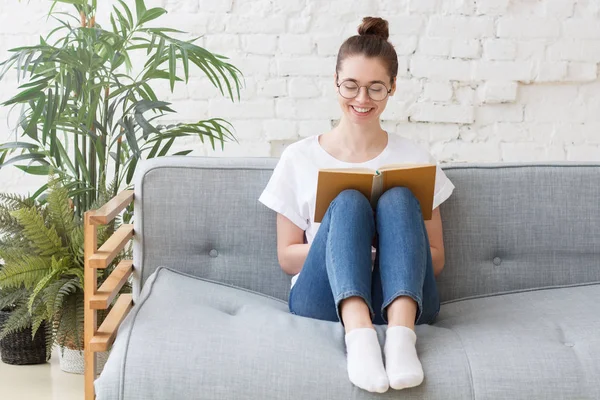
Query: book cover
[[419, 178]]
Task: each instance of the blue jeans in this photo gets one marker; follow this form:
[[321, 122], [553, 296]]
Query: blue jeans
[[339, 262]]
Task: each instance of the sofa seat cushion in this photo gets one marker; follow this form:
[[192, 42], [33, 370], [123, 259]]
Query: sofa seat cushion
[[189, 338], [541, 344]]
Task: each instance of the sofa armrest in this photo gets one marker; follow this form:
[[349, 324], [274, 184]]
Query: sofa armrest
[[100, 339]]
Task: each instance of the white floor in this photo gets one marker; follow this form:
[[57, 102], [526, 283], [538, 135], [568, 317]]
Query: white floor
[[39, 382]]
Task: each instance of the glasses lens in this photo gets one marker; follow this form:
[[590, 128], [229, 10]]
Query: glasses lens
[[349, 90], [377, 91]]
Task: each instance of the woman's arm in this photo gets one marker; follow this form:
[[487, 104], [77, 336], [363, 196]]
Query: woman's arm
[[436, 241], [291, 249]]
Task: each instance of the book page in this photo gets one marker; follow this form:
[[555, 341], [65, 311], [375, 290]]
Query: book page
[[351, 170], [377, 189], [402, 166], [331, 183]]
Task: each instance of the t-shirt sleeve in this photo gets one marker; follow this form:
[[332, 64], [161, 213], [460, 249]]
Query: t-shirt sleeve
[[281, 193], [443, 186]]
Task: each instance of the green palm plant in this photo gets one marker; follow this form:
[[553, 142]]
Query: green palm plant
[[43, 273], [85, 113]]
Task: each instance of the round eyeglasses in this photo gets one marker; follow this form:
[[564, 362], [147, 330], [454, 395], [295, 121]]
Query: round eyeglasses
[[350, 89]]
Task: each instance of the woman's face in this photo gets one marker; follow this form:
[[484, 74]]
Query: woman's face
[[363, 71]]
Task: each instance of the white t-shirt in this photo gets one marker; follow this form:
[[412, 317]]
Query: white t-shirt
[[291, 191]]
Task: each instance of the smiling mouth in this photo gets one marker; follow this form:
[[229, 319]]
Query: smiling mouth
[[360, 110]]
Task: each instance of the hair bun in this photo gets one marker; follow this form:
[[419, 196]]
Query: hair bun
[[374, 26]]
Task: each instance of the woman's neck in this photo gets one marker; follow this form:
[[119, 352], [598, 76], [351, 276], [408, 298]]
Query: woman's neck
[[359, 138], [355, 143]]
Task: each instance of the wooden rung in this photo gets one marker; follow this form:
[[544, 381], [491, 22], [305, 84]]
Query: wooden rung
[[113, 246], [114, 206], [111, 286], [105, 336]]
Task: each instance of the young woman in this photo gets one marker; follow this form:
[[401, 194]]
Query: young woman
[[334, 275]]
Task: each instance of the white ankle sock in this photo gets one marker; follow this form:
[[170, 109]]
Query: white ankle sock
[[402, 364], [365, 364]]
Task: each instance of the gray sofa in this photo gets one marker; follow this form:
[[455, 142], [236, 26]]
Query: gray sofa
[[520, 317]]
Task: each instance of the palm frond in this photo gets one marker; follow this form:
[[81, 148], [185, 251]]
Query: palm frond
[[74, 87]]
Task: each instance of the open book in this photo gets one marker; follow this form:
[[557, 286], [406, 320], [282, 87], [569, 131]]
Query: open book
[[419, 178]]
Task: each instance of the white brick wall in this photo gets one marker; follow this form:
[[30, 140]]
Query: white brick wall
[[485, 80]]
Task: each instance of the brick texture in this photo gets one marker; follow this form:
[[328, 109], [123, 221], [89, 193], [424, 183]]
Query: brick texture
[[485, 80]]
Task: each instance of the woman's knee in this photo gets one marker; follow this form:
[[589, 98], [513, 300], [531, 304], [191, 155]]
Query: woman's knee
[[353, 200], [395, 197]]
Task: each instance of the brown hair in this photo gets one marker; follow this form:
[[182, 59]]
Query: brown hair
[[372, 42]]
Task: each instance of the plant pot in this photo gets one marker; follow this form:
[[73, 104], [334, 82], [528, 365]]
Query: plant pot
[[72, 360], [19, 348]]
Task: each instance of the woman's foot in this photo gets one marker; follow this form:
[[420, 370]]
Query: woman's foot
[[402, 364], [365, 364]]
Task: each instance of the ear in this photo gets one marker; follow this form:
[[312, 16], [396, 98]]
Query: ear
[[393, 87], [335, 83]]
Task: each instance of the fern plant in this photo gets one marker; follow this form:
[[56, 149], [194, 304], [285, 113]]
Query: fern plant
[[43, 274]]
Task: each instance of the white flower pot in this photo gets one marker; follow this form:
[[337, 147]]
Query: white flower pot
[[72, 361]]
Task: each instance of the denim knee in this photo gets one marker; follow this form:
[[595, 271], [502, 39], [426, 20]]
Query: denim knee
[[392, 197], [351, 199]]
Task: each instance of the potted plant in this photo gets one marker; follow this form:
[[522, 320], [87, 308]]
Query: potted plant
[[20, 347], [43, 273], [78, 87], [88, 118]]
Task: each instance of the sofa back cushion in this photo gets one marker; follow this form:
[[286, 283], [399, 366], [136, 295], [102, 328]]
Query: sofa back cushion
[[507, 227], [516, 227]]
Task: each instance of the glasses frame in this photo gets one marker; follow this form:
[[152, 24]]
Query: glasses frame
[[365, 86]]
